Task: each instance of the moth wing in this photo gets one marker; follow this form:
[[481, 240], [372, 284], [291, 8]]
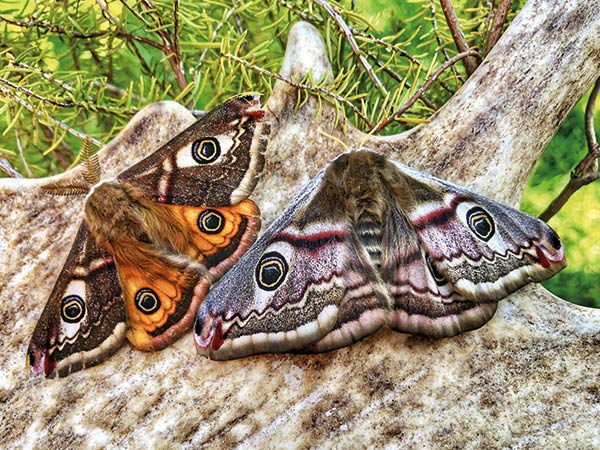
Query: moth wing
[[83, 322], [422, 302], [290, 289], [221, 156], [463, 252], [158, 289]]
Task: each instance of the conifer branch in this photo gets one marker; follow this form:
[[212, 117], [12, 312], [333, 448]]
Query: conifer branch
[[213, 38], [207, 56], [386, 121], [438, 37], [35, 23], [321, 91], [21, 152], [41, 114], [8, 169]]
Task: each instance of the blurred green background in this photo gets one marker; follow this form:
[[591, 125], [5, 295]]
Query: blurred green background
[[88, 66], [578, 222]]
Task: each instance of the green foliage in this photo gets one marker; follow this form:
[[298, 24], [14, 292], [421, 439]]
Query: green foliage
[[83, 68], [71, 70], [578, 221]]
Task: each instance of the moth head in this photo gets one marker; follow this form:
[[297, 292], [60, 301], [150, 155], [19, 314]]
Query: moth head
[[357, 172], [229, 112]]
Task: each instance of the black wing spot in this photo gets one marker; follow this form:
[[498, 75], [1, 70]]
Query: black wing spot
[[147, 301], [439, 279], [72, 309], [211, 221], [271, 271], [481, 223], [206, 150]]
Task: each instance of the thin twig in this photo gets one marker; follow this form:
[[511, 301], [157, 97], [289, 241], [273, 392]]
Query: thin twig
[[63, 151], [96, 34], [30, 93], [8, 169], [67, 87], [106, 12], [345, 29], [136, 14], [485, 26], [586, 171], [46, 75], [69, 104], [212, 39], [399, 79], [380, 42], [306, 87], [395, 49], [590, 132], [387, 45], [457, 34], [112, 89], [357, 32], [170, 48], [297, 11], [165, 48], [21, 152], [572, 186], [41, 114], [438, 37], [497, 24], [176, 25], [417, 95]]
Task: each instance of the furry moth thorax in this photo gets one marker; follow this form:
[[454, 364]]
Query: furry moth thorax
[[153, 240], [371, 243]]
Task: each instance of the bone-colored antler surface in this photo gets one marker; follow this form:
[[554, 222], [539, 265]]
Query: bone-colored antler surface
[[527, 378]]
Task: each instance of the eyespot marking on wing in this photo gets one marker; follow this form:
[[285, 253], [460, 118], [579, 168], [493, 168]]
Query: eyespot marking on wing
[[271, 271]]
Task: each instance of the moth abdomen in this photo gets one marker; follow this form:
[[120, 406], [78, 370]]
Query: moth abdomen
[[370, 234]]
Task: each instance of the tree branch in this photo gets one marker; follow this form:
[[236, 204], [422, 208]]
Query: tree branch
[[41, 114], [457, 35], [497, 24], [386, 121], [438, 37], [586, 171]]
